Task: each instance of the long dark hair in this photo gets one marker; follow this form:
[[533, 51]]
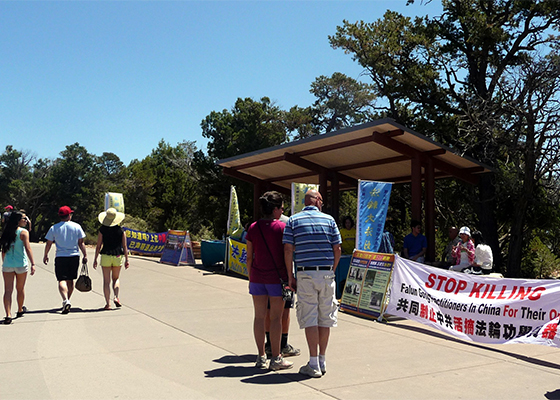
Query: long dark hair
[[269, 201], [9, 235]]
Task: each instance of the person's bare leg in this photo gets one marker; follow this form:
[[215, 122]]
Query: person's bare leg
[[276, 307], [116, 272], [20, 289], [8, 291], [260, 305], [107, 286]]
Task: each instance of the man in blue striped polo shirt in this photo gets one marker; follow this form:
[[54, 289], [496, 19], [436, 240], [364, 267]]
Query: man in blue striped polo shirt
[[312, 240]]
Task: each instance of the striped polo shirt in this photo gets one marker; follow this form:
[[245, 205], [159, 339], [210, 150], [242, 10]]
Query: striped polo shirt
[[313, 234]]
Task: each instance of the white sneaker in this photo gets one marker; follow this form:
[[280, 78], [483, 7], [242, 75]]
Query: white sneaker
[[279, 363], [261, 362], [66, 306], [309, 371]]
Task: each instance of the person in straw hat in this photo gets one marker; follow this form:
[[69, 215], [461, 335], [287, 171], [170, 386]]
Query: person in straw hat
[[113, 240]]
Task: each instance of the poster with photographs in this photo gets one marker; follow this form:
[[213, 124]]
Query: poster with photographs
[[367, 283]]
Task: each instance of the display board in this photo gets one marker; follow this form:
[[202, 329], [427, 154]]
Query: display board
[[178, 248], [367, 282]]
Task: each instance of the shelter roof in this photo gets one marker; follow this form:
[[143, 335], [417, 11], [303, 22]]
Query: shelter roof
[[381, 150]]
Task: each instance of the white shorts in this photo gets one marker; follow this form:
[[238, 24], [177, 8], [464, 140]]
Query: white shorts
[[17, 270], [316, 302]]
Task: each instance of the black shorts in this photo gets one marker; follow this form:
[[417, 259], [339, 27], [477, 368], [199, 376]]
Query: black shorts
[[66, 268]]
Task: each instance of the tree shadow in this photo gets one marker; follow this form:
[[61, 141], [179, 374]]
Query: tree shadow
[[443, 336]]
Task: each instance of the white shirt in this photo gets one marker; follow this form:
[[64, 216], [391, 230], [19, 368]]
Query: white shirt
[[483, 256], [65, 235]]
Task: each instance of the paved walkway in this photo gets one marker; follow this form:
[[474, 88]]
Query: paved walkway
[[186, 333]]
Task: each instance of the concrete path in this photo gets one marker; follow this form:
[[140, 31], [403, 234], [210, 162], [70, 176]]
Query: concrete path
[[186, 333]]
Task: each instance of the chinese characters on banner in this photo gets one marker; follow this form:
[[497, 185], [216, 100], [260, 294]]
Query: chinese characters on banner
[[373, 201], [298, 195], [237, 257], [144, 242], [474, 307], [234, 228], [367, 281]]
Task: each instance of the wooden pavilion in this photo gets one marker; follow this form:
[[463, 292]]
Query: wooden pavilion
[[381, 150]]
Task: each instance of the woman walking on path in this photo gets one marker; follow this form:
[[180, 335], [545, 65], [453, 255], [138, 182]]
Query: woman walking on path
[[16, 255], [113, 240], [265, 265]]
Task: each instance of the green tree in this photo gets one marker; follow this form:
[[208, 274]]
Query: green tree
[[250, 125], [341, 102], [74, 180], [452, 76]]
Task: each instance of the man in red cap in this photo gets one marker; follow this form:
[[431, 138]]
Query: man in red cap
[[6, 215], [69, 239]]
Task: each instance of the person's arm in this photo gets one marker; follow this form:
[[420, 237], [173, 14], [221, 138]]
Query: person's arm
[[405, 252], [97, 249], [24, 236], [82, 247], [125, 249], [288, 260], [249, 256], [47, 249], [337, 251]]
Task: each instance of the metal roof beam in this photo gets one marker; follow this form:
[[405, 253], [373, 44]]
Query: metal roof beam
[[254, 180], [297, 160]]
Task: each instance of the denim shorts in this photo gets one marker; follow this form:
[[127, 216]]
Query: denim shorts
[[265, 289]]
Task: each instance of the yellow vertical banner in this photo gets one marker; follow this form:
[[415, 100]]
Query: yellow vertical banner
[[234, 228], [298, 195]]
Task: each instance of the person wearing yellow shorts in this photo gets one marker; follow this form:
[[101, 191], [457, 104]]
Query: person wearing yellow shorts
[[111, 243]]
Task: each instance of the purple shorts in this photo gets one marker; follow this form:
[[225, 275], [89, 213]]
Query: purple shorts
[[265, 289]]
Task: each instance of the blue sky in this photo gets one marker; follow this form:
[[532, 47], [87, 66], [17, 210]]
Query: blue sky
[[119, 76]]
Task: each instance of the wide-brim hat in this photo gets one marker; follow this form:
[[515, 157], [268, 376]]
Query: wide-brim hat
[[111, 217], [465, 230]]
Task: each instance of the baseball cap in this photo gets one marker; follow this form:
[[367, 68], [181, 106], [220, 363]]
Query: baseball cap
[[10, 208], [64, 211]]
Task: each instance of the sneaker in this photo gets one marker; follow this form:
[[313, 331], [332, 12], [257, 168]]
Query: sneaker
[[280, 363], [307, 370], [323, 369], [66, 307], [261, 362], [268, 350], [289, 351]]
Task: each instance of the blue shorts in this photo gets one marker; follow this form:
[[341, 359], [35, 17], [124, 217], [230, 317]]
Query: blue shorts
[[265, 289]]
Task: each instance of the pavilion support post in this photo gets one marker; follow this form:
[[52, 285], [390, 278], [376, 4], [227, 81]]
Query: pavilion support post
[[335, 196], [257, 191], [430, 208], [323, 184], [416, 188]]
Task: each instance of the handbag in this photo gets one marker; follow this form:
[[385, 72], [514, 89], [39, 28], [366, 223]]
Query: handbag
[[83, 284], [287, 292]]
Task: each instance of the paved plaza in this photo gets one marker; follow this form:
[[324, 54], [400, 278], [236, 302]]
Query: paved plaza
[[186, 333]]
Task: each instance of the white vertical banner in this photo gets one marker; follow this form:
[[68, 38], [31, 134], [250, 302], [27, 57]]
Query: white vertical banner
[[298, 195]]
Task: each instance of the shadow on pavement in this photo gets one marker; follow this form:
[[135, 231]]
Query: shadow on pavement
[[527, 359], [235, 372], [553, 395], [236, 359]]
